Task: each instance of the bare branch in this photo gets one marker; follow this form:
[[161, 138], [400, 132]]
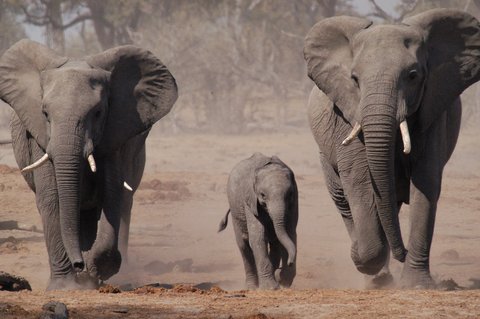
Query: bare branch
[[33, 19], [379, 12], [81, 18], [413, 6], [45, 20]]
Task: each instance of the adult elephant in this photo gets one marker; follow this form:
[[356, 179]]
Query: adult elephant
[[377, 85], [78, 132]]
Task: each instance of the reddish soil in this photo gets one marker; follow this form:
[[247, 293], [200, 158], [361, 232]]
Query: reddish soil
[[174, 242]]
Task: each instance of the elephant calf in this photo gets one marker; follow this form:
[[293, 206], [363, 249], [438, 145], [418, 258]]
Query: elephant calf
[[263, 199]]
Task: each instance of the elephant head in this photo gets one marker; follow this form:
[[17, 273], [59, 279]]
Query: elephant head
[[275, 194], [75, 109], [381, 77]]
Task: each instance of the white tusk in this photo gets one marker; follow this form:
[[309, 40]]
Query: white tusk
[[128, 187], [37, 164], [407, 146], [91, 162], [353, 134]]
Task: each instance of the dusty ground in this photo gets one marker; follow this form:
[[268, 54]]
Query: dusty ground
[[174, 240]]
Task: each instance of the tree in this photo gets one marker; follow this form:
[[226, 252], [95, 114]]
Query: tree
[[11, 32], [238, 63], [112, 20]]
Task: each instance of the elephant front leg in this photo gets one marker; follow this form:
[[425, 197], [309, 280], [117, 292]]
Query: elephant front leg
[[259, 243], [104, 258], [383, 279], [425, 191], [241, 236], [416, 270]]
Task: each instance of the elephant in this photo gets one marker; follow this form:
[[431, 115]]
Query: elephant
[[385, 113], [263, 199], [78, 130]]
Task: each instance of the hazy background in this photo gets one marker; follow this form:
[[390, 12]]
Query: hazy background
[[238, 63], [243, 88]]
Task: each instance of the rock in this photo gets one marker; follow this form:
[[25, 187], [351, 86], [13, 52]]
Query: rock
[[13, 283], [54, 310], [109, 289], [15, 311]]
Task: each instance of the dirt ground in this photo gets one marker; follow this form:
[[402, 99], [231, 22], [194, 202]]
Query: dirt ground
[[174, 240]]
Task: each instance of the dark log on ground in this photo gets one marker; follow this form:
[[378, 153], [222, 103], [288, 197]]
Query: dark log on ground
[[13, 283]]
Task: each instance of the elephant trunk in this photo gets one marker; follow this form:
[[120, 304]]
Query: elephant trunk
[[378, 112], [68, 159], [278, 215]]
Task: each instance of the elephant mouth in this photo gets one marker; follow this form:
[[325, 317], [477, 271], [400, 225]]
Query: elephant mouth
[[45, 157], [407, 145]]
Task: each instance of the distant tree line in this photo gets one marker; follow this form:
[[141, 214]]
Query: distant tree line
[[239, 63]]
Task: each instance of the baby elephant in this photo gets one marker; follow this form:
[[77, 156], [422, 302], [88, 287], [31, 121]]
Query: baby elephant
[[263, 199]]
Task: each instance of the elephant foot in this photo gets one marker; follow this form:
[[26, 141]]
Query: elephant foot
[[285, 276], [251, 282], [103, 265], [66, 282], [269, 284], [382, 280], [416, 279], [86, 281]]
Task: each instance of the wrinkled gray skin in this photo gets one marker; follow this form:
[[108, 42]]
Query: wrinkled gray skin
[[263, 199], [379, 76], [103, 105]]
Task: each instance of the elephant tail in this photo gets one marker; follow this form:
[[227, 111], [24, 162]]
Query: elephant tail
[[223, 222]]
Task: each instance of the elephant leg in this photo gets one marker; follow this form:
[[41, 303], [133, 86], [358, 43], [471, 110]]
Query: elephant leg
[[383, 279], [425, 191], [104, 259], [416, 270], [424, 195], [335, 189], [62, 275], [241, 236], [124, 166], [133, 165], [258, 241], [88, 227], [124, 232]]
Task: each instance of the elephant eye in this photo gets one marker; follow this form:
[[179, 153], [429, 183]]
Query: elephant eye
[[413, 74], [355, 79], [45, 113], [263, 196]]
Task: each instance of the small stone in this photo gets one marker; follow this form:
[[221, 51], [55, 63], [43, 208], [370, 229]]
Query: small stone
[[120, 310], [54, 310]]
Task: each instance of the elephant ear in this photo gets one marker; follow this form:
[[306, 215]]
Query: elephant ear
[[252, 201], [20, 69], [141, 92], [329, 58], [453, 58]]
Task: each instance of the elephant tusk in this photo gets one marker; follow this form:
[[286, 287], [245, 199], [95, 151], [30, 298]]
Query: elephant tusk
[[407, 146], [91, 162], [353, 134], [37, 164], [127, 187]]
